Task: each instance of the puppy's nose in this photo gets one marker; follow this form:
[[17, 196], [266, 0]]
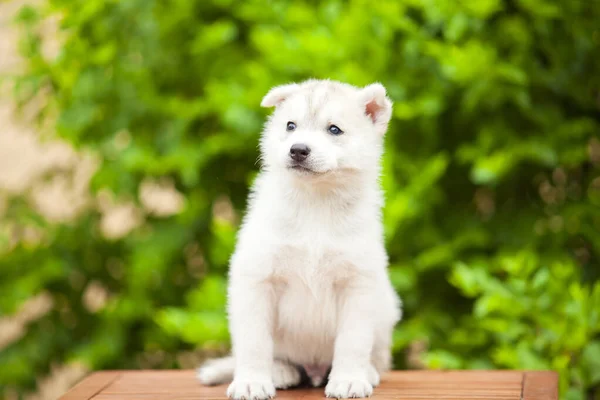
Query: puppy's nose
[[299, 152]]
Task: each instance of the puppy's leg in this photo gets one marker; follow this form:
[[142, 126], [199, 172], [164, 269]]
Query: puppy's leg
[[382, 356], [251, 309], [380, 362], [373, 376], [285, 375], [215, 372], [349, 375]]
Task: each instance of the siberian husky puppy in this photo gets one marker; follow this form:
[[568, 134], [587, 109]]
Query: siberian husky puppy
[[308, 284]]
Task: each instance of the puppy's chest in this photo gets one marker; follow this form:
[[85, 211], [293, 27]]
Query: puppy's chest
[[302, 302], [306, 320], [317, 267], [308, 289]]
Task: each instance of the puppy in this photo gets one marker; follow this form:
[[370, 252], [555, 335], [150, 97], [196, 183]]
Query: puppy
[[308, 284]]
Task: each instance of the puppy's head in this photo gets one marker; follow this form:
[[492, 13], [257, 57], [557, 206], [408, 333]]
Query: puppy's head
[[319, 128]]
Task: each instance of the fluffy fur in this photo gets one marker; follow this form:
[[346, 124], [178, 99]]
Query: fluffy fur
[[308, 283]]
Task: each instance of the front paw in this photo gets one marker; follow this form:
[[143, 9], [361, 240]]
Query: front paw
[[285, 375], [241, 389], [346, 388]]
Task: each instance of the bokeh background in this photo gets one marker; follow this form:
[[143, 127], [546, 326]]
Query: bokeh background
[[128, 141]]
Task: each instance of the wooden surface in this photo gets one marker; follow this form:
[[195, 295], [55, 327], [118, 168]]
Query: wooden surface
[[410, 385]]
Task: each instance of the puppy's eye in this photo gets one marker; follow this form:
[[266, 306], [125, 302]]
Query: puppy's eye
[[335, 130], [290, 126]]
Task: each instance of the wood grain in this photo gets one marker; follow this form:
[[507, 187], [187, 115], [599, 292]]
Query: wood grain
[[91, 386], [540, 385], [409, 385]]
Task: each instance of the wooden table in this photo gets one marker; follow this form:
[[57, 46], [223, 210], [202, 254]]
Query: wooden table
[[411, 385]]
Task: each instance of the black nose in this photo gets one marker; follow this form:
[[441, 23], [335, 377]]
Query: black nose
[[299, 152]]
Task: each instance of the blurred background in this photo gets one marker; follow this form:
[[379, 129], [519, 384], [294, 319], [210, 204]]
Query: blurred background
[[128, 141]]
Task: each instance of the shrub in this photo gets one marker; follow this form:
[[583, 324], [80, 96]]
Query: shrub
[[492, 173]]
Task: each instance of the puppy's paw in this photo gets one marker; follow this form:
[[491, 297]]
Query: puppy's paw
[[317, 381], [347, 388], [373, 376], [285, 375], [216, 371], [207, 375], [251, 390]]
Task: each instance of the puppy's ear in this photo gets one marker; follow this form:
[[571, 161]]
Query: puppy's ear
[[278, 94], [378, 107]]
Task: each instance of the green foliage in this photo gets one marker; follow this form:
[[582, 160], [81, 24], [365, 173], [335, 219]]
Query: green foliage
[[492, 173]]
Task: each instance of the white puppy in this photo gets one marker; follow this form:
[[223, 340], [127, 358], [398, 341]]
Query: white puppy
[[308, 283]]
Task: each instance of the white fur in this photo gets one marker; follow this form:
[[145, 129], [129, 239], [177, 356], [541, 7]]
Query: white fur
[[308, 283]]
